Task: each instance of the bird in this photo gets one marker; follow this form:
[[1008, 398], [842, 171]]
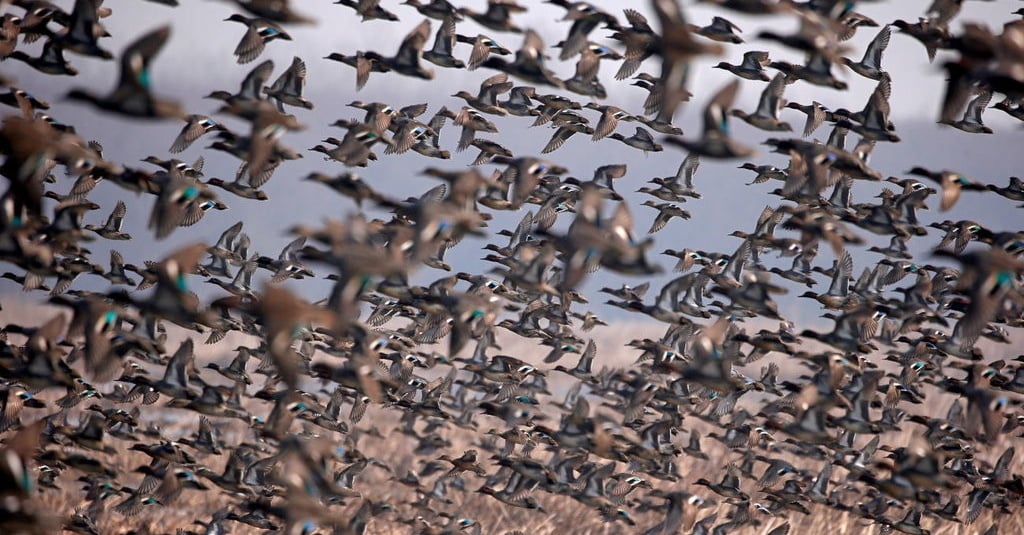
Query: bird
[[716, 141], [132, 95], [287, 89], [50, 60], [111, 229], [258, 33], [681, 184], [369, 10], [677, 48], [483, 47], [178, 194], [406, 61], [498, 16], [362, 63], [873, 121], [195, 127], [720, 29], [444, 43], [816, 115], [952, 184], [870, 66], [751, 68], [766, 117], [528, 64], [666, 212], [971, 121], [641, 139], [82, 30]]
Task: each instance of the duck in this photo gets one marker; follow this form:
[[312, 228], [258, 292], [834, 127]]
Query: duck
[[817, 70], [838, 294], [444, 43], [363, 63], [971, 121], [14, 399], [666, 211], [273, 10], [436, 9], [926, 31], [681, 513], [258, 33], [852, 332], [764, 172], [677, 48], [369, 10], [117, 274], [1012, 108], [196, 126], [952, 184], [241, 187], [178, 195], [251, 88], [486, 101], [287, 89], [816, 113], [407, 60], [83, 30], [716, 141], [640, 39], [19, 98], [132, 95], [751, 68], [870, 66], [610, 117], [1014, 190], [652, 105], [483, 47], [528, 64], [584, 81], [766, 117], [720, 29], [111, 229], [873, 122], [585, 18], [498, 16], [990, 274], [21, 511], [682, 182], [641, 140], [347, 184], [287, 264], [10, 28], [50, 61]]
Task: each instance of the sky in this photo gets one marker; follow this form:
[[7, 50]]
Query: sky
[[198, 59]]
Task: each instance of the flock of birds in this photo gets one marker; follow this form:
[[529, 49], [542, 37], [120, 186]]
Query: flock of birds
[[859, 433]]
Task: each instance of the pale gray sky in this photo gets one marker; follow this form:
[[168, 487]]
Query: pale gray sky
[[198, 60]]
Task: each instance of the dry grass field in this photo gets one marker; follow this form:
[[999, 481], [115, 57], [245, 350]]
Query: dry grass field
[[379, 436]]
